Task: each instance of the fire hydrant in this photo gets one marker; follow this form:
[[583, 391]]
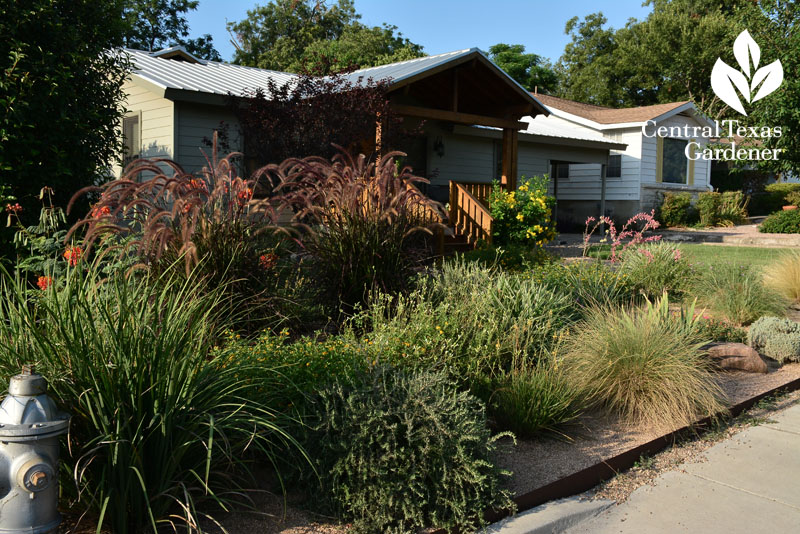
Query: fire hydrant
[[30, 426]]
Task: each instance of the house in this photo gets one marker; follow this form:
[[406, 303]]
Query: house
[[480, 124], [635, 177]]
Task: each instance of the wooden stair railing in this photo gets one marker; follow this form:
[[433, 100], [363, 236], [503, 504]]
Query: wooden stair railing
[[468, 215]]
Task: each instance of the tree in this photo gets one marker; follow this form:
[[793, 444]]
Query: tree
[[775, 26], [359, 46], [60, 96], [667, 57], [312, 36], [588, 69], [531, 71], [156, 24]]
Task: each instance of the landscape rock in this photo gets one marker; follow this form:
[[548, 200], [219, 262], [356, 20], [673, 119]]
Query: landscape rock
[[736, 357]]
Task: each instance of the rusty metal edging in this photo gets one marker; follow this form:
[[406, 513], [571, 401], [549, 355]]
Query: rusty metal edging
[[587, 478]]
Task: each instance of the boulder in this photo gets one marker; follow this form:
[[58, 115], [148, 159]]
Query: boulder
[[736, 357]]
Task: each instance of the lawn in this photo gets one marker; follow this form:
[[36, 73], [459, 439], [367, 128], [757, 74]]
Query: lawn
[[756, 256], [707, 253]]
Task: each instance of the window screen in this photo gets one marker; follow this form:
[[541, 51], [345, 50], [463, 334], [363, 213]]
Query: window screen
[[673, 166], [130, 134], [614, 169]]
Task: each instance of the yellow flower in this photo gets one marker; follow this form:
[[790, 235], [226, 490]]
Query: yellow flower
[[520, 216]]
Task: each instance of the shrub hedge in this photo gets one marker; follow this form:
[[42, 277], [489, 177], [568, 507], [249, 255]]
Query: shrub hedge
[[676, 210], [781, 222]]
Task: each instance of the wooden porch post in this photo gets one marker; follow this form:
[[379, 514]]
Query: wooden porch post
[[554, 177], [509, 167], [603, 194]]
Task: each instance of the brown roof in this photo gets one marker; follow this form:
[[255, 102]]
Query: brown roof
[[605, 115]]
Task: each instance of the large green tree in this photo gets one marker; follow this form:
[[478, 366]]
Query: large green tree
[[60, 95], [666, 57], [775, 26], [314, 36], [156, 24], [530, 70]]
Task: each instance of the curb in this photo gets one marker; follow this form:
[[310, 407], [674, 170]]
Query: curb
[[551, 518]]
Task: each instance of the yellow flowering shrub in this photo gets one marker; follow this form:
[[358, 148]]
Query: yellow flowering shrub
[[522, 216]]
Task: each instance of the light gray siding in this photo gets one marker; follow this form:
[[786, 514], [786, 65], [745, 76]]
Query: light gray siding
[[194, 127], [156, 121]]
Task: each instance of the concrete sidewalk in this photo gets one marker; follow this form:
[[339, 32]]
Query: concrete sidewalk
[[749, 484]]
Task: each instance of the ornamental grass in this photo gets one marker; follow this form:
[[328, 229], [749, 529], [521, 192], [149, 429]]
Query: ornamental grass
[[644, 365], [159, 424], [784, 276]]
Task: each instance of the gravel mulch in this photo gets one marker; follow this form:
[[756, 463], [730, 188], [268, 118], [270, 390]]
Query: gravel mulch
[[535, 463]]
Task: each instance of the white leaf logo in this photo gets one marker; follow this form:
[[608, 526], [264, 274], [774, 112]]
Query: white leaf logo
[[725, 80]]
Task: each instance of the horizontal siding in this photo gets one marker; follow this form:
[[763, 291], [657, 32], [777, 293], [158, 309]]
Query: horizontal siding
[[701, 167], [157, 120], [196, 123], [465, 159]]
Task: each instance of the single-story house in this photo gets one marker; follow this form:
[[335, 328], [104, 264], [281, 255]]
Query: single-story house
[[651, 162], [480, 124]]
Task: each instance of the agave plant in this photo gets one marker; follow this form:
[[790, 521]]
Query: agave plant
[[362, 223]]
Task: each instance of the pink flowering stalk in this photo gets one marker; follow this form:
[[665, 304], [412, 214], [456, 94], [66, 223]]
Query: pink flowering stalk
[[617, 237]]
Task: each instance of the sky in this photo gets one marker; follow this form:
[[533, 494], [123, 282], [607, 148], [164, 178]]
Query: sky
[[447, 25]]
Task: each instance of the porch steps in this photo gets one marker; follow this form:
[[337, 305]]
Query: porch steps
[[454, 243]]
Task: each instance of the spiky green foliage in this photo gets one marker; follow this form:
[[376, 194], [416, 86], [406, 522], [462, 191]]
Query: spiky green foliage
[[655, 268], [534, 399], [644, 365], [776, 338], [400, 451], [158, 424]]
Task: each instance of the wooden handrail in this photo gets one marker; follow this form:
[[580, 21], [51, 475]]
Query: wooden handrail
[[468, 215]]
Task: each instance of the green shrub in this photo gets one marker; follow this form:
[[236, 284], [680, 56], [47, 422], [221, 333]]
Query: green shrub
[[676, 210], [534, 399], [471, 320], [722, 209], [781, 222], [158, 423], [656, 268], [733, 208], [587, 283], [712, 329], [643, 364], [737, 293], [303, 366], [776, 338], [514, 258], [400, 451], [773, 198], [793, 198], [523, 216]]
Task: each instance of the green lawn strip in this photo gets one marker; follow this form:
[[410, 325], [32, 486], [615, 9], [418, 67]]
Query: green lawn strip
[[712, 254]]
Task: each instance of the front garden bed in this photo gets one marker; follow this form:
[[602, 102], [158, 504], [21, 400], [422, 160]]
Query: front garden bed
[[595, 438]]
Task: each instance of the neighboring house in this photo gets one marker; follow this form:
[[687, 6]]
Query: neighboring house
[[479, 122], [635, 176]]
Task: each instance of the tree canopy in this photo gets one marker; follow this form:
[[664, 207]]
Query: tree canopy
[[313, 36], [156, 24], [531, 71], [60, 96]]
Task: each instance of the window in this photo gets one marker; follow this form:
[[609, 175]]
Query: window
[[614, 169], [562, 170], [131, 138], [674, 162]]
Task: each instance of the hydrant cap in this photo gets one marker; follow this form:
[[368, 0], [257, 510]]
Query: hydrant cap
[[27, 385]]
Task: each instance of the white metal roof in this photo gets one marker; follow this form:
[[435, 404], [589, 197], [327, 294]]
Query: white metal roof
[[546, 127], [205, 77]]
